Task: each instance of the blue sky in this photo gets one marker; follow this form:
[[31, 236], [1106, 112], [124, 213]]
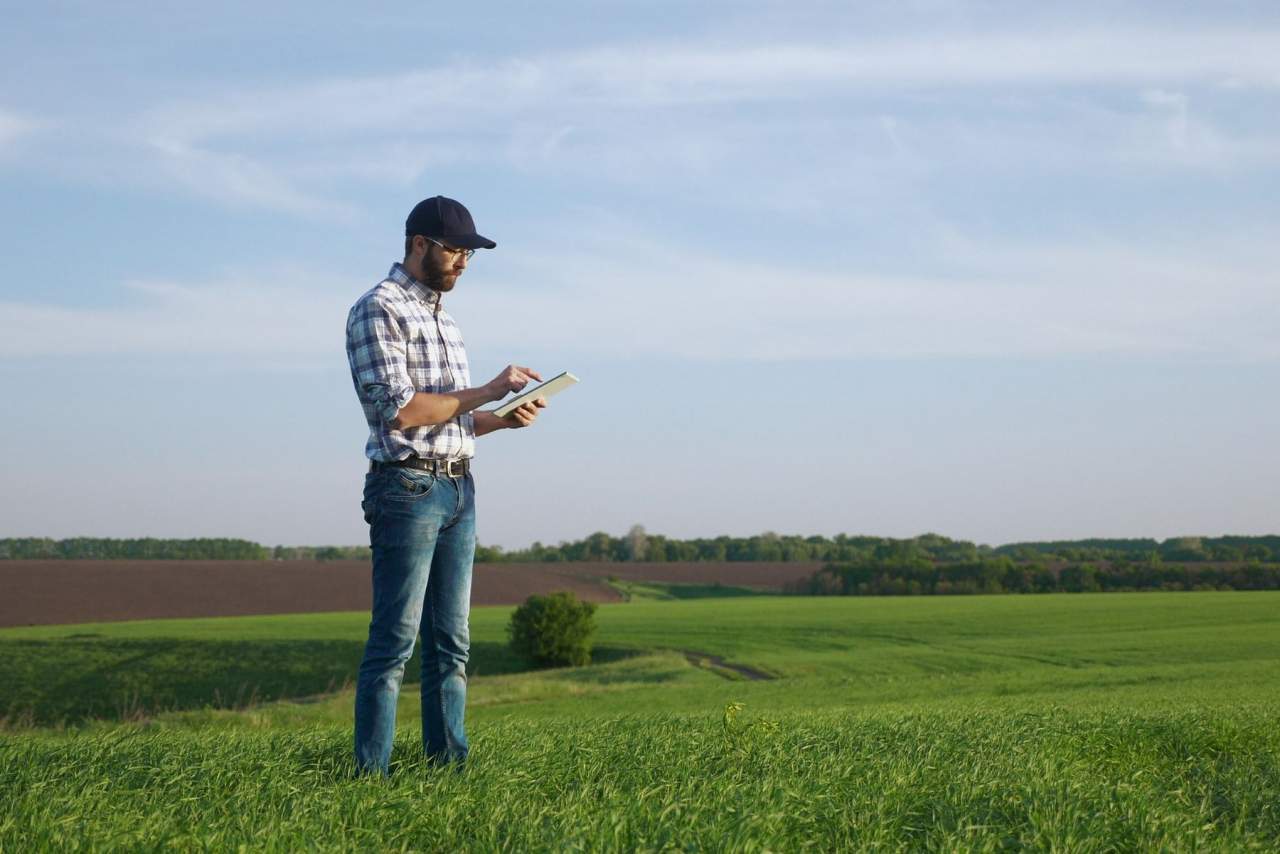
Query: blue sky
[[994, 272]]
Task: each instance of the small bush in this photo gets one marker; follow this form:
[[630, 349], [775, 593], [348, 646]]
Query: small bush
[[553, 630]]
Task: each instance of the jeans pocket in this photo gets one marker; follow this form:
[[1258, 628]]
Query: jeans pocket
[[408, 484], [369, 496]]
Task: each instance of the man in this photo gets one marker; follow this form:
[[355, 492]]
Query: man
[[410, 371]]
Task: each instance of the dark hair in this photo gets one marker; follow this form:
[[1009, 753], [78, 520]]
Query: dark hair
[[408, 247]]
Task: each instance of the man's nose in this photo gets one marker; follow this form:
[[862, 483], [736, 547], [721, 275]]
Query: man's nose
[[460, 263]]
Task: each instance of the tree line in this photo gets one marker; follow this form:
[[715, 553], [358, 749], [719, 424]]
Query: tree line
[[919, 577], [639, 545], [1228, 549], [150, 548]]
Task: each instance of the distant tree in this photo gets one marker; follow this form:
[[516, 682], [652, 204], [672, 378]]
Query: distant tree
[[712, 550], [1258, 552], [767, 546], [598, 546], [1079, 578], [1225, 552], [1184, 549], [637, 543], [1043, 579]]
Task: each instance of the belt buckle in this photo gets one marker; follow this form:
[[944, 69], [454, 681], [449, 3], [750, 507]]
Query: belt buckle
[[449, 469]]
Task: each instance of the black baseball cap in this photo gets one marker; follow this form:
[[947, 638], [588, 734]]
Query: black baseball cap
[[447, 220]]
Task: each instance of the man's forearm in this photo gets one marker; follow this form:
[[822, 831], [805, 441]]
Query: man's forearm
[[426, 408], [487, 422]]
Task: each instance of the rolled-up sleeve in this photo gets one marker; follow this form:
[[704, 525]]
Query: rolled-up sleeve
[[376, 351]]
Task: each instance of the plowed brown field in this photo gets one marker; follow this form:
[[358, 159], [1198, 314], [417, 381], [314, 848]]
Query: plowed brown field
[[42, 592]]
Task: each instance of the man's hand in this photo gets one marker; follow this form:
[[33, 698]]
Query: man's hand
[[512, 378], [525, 414]]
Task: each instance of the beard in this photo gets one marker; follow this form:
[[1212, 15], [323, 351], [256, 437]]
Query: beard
[[439, 279]]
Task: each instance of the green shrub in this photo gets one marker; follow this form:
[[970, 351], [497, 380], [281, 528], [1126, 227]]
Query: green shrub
[[553, 630]]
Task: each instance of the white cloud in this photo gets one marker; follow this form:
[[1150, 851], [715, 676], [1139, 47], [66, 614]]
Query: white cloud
[[1008, 301], [656, 75], [814, 111], [274, 315], [14, 126], [620, 113], [631, 296], [237, 179], [801, 70]]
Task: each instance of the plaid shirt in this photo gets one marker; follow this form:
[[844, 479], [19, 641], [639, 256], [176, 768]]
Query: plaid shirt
[[400, 341]]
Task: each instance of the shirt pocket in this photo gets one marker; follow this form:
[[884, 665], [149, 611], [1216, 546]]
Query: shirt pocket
[[422, 356]]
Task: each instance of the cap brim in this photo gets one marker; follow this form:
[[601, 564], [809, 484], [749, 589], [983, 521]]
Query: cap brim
[[472, 241]]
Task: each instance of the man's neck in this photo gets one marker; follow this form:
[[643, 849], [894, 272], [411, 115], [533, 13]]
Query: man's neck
[[419, 275], [414, 270]]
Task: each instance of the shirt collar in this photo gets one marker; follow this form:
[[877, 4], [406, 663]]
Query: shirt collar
[[412, 286]]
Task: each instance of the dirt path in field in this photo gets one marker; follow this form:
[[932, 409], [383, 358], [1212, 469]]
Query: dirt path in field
[[702, 659]]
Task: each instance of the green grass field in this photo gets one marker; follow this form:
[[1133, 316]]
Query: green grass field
[[1057, 722]]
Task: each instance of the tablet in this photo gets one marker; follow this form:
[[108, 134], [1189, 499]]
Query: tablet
[[560, 382]]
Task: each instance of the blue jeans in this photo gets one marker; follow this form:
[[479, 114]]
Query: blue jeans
[[422, 531]]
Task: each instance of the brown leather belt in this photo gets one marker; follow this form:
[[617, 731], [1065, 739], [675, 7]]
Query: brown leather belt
[[448, 468]]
